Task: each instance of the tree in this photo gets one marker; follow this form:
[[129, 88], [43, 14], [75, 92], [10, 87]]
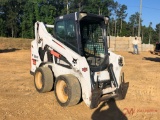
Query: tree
[[115, 9], [17, 17], [2, 20], [157, 33], [133, 21], [11, 9], [28, 20], [121, 14]]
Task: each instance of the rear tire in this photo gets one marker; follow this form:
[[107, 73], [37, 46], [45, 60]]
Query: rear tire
[[67, 90], [43, 79]]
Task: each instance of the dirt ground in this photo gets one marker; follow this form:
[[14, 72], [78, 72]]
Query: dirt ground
[[19, 99]]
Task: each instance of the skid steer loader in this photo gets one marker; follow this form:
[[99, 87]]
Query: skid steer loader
[[75, 61]]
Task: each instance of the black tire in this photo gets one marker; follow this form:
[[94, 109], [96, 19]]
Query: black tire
[[43, 79], [67, 90]]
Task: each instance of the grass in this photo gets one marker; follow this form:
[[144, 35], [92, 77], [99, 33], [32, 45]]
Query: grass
[[14, 43]]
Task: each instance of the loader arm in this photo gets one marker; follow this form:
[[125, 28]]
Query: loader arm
[[44, 38], [77, 62]]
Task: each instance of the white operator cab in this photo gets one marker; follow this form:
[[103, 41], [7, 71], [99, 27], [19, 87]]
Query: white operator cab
[[75, 61]]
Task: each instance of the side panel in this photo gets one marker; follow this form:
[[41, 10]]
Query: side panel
[[85, 80], [113, 58], [35, 58]]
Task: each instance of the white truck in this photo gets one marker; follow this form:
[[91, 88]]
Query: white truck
[[75, 61]]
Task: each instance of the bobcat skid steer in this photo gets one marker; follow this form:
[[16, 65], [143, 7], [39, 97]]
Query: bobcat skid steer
[[75, 61]]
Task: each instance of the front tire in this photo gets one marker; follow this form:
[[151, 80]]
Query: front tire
[[67, 90], [43, 79]]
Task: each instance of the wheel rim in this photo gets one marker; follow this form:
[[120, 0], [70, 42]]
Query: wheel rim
[[62, 91], [38, 80]]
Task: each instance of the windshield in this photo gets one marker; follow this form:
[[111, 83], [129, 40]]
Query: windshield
[[92, 34]]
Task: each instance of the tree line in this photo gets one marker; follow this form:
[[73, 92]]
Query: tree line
[[17, 17]]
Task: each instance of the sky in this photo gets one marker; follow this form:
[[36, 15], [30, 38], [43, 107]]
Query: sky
[[150, 10]]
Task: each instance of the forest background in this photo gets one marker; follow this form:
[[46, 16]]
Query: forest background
[[17, 17]]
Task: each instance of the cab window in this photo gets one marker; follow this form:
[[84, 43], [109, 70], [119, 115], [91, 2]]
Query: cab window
[[65, 33]]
